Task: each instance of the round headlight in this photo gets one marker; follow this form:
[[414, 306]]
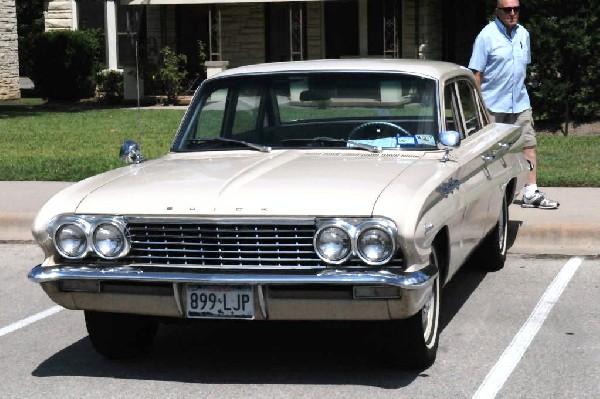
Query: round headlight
[[71, 241], [109, 240], [375, 246], [333, 244]]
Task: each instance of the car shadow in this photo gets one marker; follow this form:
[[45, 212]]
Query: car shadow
[[513, 231], [245, 353], [230, 352]]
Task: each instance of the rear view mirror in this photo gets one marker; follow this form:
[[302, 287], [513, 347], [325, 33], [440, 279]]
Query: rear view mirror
[[315, 95]]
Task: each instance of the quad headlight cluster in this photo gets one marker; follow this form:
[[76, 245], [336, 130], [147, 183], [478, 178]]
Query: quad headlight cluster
[[77, 236], [372, 240]]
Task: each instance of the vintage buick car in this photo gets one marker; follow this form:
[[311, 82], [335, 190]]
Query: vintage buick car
[[316, 190]]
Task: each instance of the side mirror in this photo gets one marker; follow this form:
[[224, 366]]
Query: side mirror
[[130, 152], [449, 139]]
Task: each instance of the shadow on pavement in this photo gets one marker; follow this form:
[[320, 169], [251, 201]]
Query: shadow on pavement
[[230, 352], [244, 353]]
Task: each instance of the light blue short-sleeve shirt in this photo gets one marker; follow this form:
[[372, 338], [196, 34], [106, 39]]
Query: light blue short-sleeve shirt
[[503, 61]]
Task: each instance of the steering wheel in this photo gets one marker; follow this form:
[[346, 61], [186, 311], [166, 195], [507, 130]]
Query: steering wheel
[[378, 127]]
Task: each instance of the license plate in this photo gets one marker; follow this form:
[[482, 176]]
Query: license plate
[[219, 302]]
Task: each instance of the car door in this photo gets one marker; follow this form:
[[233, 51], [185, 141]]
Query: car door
[[482, 168]]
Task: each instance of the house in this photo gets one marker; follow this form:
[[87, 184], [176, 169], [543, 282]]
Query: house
[[241, 32], [9, 51]]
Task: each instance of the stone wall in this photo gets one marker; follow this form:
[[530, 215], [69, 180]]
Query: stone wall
[[243, 34], [9, 51], [58, 14], [314, 30]]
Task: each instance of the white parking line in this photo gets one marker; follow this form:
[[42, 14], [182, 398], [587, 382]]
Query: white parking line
[[31, 319], [512, 355]]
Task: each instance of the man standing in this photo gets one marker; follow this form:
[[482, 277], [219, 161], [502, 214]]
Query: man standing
[[499, 61]]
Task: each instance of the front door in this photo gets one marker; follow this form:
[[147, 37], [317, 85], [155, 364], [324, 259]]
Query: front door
[[285, 32], [192, 28], [341, 29]]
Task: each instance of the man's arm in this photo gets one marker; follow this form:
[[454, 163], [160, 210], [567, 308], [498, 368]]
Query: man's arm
[[478, 76]]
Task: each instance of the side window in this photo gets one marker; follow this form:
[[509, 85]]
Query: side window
[[246, 110], [469, 107], [213, 115], [451, 115]]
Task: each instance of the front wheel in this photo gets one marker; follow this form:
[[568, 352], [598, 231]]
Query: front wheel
[[413, 342], [491, 254], [120, 336]]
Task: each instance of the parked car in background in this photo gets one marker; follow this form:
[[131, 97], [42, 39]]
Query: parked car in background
[[315, 190]]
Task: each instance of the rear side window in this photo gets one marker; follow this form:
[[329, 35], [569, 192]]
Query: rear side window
[[469, 107]]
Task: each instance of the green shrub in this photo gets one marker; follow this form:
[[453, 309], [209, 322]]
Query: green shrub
[[65, 64], [171, 73], [110, 85]]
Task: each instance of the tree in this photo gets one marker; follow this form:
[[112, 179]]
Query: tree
[[565, 39], [66, 62]]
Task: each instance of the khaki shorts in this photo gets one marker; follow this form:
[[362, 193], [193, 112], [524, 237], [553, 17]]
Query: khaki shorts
[[523, 119]]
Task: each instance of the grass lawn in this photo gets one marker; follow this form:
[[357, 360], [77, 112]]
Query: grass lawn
[[69, 143], [43, 143], [572, 161]]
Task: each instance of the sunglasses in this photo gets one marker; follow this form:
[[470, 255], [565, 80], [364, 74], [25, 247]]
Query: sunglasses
[[507, 10]]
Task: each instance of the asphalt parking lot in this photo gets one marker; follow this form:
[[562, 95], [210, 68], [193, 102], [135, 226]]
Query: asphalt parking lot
[[527, 331]]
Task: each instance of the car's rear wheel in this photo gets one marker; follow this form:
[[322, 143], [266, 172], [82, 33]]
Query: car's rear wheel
[[491, 254], [120, 336], [413, 342]]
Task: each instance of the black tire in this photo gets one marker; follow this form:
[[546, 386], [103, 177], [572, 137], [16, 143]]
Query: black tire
[[491, 253], [120, 336], [413, 342]]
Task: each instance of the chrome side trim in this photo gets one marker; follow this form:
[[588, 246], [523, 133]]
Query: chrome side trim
[[410, 281]]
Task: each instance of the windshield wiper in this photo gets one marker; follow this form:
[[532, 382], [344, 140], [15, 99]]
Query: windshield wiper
[[349, 143], [258, 147]]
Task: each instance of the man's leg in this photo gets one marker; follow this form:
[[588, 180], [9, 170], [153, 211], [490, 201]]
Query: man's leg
[[532, 197], [530, 154]]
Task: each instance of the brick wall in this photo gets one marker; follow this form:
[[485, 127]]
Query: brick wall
[[9, 51]]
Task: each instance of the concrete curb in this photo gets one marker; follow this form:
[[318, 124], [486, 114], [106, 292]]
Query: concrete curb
[[16, 226], [573, 229], [573, 239]]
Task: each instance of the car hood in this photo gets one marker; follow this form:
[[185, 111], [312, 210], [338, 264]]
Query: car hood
[[296, 183]]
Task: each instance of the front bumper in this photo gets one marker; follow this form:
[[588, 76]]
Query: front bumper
[[279, 296]]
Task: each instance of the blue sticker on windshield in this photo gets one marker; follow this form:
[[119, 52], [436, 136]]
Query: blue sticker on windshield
[[399, 141]]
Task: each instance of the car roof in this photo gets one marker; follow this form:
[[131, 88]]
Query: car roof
[[433, 69]]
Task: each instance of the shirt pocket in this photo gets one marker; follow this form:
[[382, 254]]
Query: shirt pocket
[[519, 52]]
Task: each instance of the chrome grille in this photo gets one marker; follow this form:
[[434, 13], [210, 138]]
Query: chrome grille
[[223, 244]]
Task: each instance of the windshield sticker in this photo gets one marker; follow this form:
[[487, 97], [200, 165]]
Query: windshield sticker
[[400, 141]]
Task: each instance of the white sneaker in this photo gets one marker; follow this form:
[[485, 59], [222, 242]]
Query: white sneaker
[[539, 200]]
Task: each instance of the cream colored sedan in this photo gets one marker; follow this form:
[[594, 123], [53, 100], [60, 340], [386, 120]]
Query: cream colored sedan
[[317, 190]]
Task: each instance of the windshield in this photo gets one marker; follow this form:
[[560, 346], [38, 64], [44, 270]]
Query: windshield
[[369, 111]]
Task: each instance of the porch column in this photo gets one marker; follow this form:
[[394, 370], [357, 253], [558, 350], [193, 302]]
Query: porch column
[[74, 15], [110, 14]]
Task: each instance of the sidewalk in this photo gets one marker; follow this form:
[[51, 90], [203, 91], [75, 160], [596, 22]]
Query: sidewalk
[[572, 229]]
